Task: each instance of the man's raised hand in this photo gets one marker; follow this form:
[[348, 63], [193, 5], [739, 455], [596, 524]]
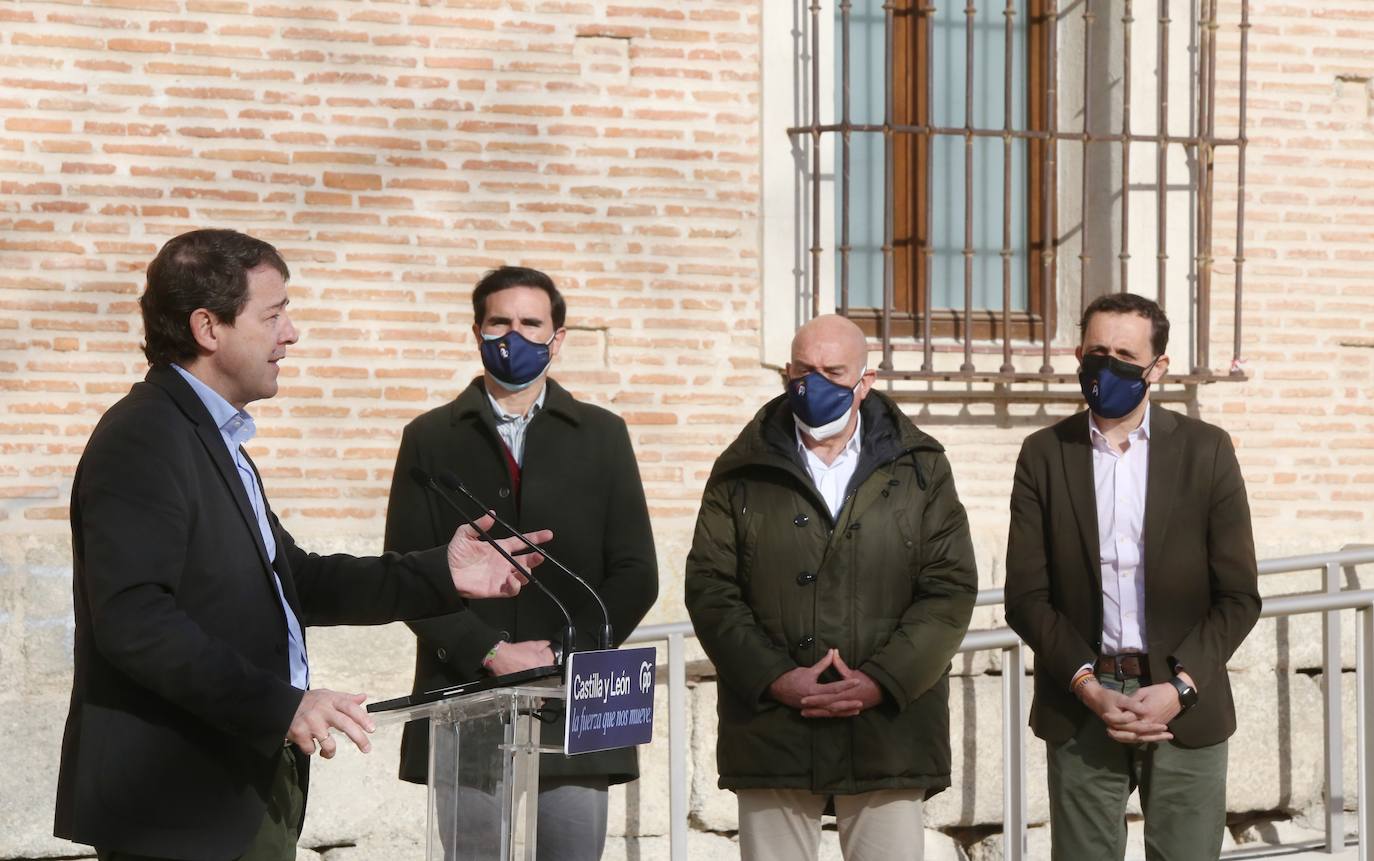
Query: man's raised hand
[[479, 571]]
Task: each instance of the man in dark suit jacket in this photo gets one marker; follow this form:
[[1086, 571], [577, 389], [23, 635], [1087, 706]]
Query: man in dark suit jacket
[[532, 452], [1131, 574], [192, 718]]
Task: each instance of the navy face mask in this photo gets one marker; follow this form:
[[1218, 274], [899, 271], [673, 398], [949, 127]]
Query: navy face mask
[[514, 360], [820, 406], [1112, 387]]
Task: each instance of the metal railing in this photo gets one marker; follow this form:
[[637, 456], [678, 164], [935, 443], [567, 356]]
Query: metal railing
[[1329, 602]]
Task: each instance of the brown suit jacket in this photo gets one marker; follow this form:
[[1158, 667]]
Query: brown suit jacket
[[1201, 597]]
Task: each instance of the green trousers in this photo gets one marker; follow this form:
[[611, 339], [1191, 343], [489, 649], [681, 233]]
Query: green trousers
[[276, 837], [1182, 794]]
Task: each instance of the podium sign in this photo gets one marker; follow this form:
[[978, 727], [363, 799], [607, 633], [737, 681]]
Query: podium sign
[[610, 699]]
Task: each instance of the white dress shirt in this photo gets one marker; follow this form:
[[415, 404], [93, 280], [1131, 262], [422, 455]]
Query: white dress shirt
[[1119, 479], [832, 480], [512, 428]]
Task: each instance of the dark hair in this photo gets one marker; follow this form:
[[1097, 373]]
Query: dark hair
[[201, 269], [516, 276], [1130, 303]]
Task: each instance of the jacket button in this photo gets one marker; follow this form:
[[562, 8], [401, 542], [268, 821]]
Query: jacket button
[[806, 578], [801, 520], [441, 653], [806, 642], [503, 492]]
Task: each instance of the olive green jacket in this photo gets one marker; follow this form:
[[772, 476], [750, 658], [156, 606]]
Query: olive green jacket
[[773, 583]]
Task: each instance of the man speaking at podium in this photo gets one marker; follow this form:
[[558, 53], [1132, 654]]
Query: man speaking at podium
[[192, 715], [534, 454]]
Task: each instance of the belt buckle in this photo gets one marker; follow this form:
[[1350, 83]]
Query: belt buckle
[[1117, 671]]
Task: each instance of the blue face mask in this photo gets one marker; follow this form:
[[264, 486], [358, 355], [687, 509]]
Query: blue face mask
[[513, 360], [1112, 387], [819, 406]]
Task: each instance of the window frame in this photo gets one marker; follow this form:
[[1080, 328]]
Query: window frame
[[799, 195]]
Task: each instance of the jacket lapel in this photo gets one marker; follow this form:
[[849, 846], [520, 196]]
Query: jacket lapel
[[1076, 448], [1160, 485], [190, 403]]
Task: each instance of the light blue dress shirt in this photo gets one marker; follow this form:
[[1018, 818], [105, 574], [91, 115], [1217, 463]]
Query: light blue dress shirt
[[236, 428]]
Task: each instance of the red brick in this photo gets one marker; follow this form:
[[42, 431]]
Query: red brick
[[353, 181], [77, 43], [314, 34], [139, 46]]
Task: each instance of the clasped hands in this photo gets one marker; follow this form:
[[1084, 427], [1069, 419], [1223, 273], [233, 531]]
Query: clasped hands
[[1140, 718], [802, 689]]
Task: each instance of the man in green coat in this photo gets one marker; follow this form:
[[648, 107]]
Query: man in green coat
[[831, 579]]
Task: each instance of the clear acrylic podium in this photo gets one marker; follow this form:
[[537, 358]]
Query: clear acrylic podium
[[484, 768]]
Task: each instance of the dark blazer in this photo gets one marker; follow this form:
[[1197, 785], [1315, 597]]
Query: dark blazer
[[181, 698], [1201, 597], [580, 479]]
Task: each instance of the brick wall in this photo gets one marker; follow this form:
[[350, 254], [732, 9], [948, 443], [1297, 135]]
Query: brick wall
[[395, 150], [1305, 423]]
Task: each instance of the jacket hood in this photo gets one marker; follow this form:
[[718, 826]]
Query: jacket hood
[[769, 438]]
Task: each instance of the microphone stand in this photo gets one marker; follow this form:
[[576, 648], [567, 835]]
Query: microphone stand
[[606, 639], [569, 636]]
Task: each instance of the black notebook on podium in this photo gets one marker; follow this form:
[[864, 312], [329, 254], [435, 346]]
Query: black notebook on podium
[[531, 675]]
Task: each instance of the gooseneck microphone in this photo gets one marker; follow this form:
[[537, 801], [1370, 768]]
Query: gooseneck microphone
[[606, 640], [569, 637]]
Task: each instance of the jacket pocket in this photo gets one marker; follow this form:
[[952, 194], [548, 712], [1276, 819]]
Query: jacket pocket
[[155, 774]]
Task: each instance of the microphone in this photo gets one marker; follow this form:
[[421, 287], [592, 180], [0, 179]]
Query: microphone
[[606, 639], [569, 638]]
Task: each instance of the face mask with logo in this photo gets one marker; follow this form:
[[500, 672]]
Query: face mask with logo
[[513, 360], [819, 407], [1112, 387]]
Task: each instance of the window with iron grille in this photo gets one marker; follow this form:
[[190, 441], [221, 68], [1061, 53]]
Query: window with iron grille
[[971, 173]]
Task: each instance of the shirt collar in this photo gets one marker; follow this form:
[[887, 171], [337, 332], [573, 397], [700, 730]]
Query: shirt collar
[[236, 425], [851, 448], [503, 416], [1096, 435]]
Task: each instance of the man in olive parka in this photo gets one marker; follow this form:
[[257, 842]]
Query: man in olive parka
[[831, 579]]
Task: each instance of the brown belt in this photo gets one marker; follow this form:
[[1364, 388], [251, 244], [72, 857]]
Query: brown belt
[[1121, 667]]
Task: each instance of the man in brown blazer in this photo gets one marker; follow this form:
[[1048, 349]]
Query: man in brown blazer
[[1131, 575]]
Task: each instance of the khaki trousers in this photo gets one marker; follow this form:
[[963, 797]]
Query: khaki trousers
[[785, 824]]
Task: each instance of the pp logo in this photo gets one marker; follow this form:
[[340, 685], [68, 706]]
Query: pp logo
[[646, 677], [505, 350], [801, 389], [1094, 388]]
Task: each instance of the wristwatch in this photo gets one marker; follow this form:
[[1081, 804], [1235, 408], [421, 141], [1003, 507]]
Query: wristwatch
[[1187, 694]]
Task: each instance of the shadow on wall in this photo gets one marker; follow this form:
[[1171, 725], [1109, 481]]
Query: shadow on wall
[[951, 415]]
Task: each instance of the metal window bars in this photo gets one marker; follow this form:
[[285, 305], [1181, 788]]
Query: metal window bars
[[1200, 144]]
